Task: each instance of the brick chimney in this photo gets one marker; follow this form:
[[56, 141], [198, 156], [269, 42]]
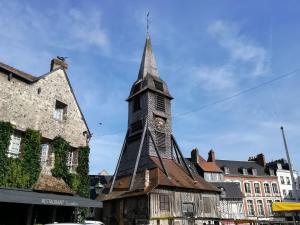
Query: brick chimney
[[211, 156], [194, 155], [259, 159], [59, 62]]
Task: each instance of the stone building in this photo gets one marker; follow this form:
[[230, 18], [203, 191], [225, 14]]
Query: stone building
[[46, 103], [152, 183], [259, 187], [231, 198]]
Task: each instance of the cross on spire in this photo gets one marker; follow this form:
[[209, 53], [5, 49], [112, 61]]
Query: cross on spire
[[147, 23]]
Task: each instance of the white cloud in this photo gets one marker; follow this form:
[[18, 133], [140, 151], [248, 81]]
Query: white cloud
[[245, 59]]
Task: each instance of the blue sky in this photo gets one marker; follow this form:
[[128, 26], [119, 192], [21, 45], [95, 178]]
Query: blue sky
[[205, 51]]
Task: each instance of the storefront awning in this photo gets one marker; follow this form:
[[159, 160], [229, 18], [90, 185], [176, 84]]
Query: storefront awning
[[41, 198], [285, 206]]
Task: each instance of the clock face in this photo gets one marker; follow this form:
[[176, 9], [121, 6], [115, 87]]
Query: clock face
[[159, 123]]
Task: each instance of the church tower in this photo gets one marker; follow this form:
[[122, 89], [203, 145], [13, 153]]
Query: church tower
[[149, 113]]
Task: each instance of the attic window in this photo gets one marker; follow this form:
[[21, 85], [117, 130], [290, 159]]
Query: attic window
[[138, 125], [158, 85], [60, 110], [254, 172], [245, 171], [272, 173], [160, 140], [160, 102], [226, 170]]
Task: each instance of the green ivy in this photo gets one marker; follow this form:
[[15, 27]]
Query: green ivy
[[61, 148], [31, 144], [83, 171], [6, 130], [15, 175], [74, 182]]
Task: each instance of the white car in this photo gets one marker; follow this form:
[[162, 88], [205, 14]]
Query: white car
[[93, 222]]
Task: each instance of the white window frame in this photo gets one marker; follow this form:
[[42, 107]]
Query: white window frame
[[269, 205], [265, 188], [277, 190], [261, 211], [44, 154], [246, 188], [70, 161], [258, 188], [14, 146], [251, 206]]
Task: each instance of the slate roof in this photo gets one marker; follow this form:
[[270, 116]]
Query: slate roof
[[232, 190], [235, 167]]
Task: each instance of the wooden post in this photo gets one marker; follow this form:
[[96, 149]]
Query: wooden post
[[138, 155], [157, 152], [118, 164]]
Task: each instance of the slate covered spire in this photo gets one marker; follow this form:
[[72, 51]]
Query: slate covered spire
[[148, 63]]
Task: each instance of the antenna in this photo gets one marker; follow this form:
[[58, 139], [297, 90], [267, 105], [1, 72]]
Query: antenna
[[147, 19]]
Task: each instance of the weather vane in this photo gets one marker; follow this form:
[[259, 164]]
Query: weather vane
[[148, 22]]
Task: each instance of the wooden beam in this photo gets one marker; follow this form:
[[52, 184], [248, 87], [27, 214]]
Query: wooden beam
[[157, 152], [118, 164], [182, 158], [172, 146], [138, 156]]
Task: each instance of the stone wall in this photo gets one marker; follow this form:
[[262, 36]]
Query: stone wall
[[32, 106]]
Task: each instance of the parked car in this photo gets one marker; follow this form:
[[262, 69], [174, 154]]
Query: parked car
[[93, 222]]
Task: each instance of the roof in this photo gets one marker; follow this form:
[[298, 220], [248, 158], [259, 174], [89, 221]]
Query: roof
[[232, 190], [25, 196], [178, 178], [209, 167], [236, 166], [31, 79], [52, 184], [148, 63]]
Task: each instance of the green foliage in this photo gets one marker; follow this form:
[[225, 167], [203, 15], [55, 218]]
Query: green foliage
[[83, 171], [31, 155], [61, 149], [74, 182], [6, 130], [16, 176]]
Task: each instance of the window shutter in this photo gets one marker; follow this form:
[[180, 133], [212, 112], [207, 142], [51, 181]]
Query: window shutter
[[160, 140], [160, 102]]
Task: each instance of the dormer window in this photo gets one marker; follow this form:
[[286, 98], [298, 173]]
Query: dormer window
[[226, 170], [272, 173], [245, 171], [158, 85], [60, 111], [254, 172]]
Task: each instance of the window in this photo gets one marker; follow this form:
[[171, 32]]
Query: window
[[138, 125], [288, 181], [254, 172], [160, 102], [206, 205], [226, 170], [290, 194], [160, 140], [260, 208], [284, 192], [269, 203], [188, 209], [14, 146], [164, 202], [60, 111], [158, 85], [267, 188], [272, 173], [72, 160], [245, 172], [136, 103], [250, 207], [282, 180], [44, 154], [247, 188], [275, 188], [257, 188]]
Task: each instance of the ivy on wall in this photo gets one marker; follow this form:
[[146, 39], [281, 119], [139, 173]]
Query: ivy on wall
[[83, 171], [61, 148], [31, 144], [6, 130], [15, 175]]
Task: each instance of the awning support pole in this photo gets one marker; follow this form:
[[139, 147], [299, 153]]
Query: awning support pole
[[118, 164], [29, 215], [138, 156]]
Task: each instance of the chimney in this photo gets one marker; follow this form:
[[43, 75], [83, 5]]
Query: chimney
[[194, 155], [211, 156], [259, 159], [59, 62]]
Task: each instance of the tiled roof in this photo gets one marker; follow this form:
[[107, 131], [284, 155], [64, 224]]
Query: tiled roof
[[52, 184], [18, 73], [232, 190], [235, 167]]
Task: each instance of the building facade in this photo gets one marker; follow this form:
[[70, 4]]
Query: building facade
[[259, 188], [152, 183], [281, 169], [46, 104]]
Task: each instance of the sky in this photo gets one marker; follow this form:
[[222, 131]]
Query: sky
[[206, 51]]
